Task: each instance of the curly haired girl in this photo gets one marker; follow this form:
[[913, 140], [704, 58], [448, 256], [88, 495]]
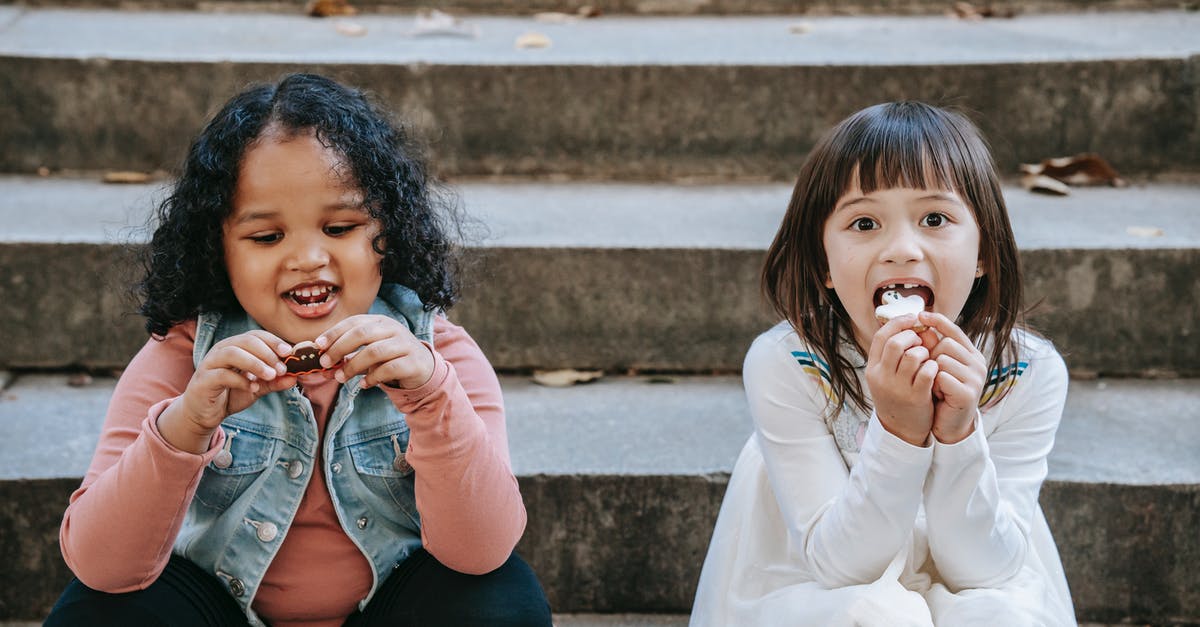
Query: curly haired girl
[[371, 486]]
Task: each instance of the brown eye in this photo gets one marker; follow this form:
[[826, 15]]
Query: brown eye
[[864, 224], [933, 220]]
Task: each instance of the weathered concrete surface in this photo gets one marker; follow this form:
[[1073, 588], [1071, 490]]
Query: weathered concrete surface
[[637, 7], [633, 98], [618, 309], [623, 479], [628, 276]]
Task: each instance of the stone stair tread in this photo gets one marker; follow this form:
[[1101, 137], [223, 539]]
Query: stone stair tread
[[1114, 431], [631, 215], [611, 40]]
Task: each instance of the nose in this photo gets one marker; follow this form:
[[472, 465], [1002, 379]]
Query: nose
[[307, 254], [902, 245]]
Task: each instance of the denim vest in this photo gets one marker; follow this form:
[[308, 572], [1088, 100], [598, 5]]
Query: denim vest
[[249, 495]]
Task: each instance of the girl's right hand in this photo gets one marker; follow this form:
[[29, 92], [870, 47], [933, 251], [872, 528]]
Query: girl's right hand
[[236, 372], [900, 377]]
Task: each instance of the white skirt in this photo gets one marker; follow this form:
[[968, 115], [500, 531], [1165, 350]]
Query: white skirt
[[748, 580]]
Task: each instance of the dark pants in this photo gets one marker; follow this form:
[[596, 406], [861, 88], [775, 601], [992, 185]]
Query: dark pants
[[420, 592]]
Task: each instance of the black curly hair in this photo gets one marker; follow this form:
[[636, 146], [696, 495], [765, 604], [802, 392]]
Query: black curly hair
[[184, 263]]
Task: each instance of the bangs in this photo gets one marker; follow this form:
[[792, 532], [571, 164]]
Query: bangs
[[906, 145]]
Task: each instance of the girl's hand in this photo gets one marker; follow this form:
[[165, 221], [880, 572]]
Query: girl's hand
[[382, 348], [900, 375], [962, 373], [236, 372]]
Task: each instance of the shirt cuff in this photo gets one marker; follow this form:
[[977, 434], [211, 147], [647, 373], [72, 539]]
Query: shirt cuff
[[888, 445]]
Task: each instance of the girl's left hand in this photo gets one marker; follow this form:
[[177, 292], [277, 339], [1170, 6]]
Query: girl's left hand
[[379, 347], [962, 373]]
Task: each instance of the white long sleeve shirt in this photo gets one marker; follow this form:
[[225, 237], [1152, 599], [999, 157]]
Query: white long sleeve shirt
[[819, 504]]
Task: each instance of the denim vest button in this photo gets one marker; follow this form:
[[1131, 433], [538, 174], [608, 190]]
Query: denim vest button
[[295, 469], [336, 467], [267, 532], [362, 522], [237, 587]]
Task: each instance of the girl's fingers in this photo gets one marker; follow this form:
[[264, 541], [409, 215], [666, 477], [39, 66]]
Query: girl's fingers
[[911, 361], [953, 389], [239, 358], [944, 326], [926, 375], [895, 347], [375, 356], [888, 331], [352, 334]]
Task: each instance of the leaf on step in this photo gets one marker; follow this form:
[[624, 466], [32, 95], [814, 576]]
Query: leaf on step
[[968, 11], [330, 8], [43, 171], [350, 29], [122, 177], [799, 28], [566, 377], [1144, 231], [533, 40], [555, 17], [434, 23], [79, 380], [589, 11], [1043, 184], [1082, 169]]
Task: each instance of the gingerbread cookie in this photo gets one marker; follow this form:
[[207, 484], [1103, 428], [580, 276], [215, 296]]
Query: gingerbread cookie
[[305, 359]]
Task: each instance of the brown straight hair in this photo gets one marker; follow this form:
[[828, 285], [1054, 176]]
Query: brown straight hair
[[898, 144]]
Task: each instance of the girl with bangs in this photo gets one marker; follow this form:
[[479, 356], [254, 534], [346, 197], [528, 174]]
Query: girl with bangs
[[893, 474]]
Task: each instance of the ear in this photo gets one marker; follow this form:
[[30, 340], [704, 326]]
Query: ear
[[828, 281], [979, 269]]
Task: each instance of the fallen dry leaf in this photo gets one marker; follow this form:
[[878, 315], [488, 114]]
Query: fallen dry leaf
[[434, 23], [1082, 169], [79, 380], [330, 8], [533, 40], [1144, 231], [589, 11], [1043, 184], [126, 177], [554, 17], [799, 28], [566, 377], [43, 171], [968, 11], [351, 29]]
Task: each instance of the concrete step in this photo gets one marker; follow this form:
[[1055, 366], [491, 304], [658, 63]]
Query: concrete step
[[629, 276], [618, 97], [634, 7], [623, 479]]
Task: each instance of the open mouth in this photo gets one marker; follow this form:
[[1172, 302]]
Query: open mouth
[[312, 295], [905, 290]]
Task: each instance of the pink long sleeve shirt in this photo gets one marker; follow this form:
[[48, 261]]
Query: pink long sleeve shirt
[[121, 523]]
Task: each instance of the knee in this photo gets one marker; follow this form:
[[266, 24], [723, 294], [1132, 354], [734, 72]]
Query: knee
[[509, 596], [81, 605]]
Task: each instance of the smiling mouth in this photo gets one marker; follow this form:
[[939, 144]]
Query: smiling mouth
[[905, 290], [312, 296]]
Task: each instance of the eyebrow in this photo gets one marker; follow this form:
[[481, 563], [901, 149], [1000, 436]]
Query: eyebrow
[[267, 215], [943, 196]]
